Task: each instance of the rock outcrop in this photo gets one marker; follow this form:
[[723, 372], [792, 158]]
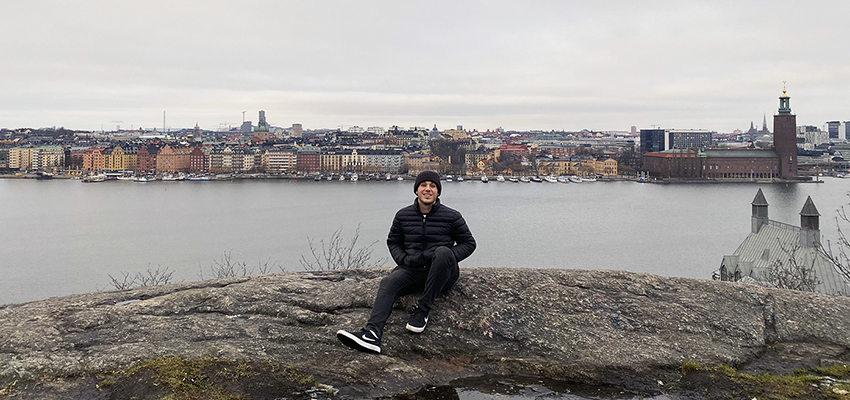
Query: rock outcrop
[[604, 327]]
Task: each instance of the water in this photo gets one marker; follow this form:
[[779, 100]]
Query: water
[[60, 237]]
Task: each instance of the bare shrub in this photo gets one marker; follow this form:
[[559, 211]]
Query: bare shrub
[[840, 258], [125, 282], [791, 273], [226, 267], [335, 254], [155, 277], [151, 277]]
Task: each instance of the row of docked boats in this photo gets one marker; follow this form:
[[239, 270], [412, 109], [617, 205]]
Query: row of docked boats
[[103, 177], [356, 177], [529, 179]]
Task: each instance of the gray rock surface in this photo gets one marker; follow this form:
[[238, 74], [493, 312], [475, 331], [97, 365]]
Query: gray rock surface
[[608, 327]]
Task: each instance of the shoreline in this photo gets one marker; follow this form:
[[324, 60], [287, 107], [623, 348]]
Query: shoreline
[[230, 177]]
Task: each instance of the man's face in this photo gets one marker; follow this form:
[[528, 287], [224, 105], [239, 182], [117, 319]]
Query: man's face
[[427, 192]]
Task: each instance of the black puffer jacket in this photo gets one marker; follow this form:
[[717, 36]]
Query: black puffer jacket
[[414, 236]]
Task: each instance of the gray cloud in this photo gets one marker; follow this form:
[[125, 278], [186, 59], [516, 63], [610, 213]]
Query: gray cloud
[[481, 64]]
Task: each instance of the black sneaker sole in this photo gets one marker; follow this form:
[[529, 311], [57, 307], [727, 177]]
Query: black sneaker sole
[[355, 343]]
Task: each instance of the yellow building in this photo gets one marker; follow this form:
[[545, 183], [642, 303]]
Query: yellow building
[[563, 166], [416, 163], [580, 167], [473, 158], [20, 158], [330, 161], [120, 160], [607, 167], [456, 134]]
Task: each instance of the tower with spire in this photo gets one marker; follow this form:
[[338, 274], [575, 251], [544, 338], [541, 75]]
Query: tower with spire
[[764, 126], [785, 137]]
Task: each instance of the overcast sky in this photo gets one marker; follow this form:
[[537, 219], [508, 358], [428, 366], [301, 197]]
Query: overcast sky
[[521, 65]]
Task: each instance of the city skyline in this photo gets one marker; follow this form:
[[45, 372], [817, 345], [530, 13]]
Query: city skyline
[[522, 66]]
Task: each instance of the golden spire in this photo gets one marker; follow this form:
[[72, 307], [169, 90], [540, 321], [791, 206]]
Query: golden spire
[[783, 89]]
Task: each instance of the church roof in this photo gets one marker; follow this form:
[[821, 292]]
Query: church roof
[[775, 243]]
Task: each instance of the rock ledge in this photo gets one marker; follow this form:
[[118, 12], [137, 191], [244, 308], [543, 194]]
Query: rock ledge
[[598, 327]]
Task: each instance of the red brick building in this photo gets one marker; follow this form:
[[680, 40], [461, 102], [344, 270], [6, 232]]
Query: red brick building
[[713, 164], [197, 160], [147, 158]]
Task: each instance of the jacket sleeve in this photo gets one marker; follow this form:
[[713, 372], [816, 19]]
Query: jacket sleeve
[[395, 242], [464, 242]]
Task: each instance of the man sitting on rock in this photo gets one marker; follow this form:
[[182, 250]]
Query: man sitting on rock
[[426, 240]]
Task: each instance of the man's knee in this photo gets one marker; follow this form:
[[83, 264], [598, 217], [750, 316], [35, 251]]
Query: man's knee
[[444, 254]]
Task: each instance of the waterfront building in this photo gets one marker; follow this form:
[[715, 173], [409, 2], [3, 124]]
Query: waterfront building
[[252, 159], [280, 160], [223, 159], [20, 158], [772, 246], [331, 161], [352, 161], [26, 158], [50, 157], [146, 158], [603, 166], [674, 163], [308, 160], [216, 159], [173, 159], [739, 163], [75, 159], [93, 159], [573, 165], [383, 160], [120, 158], [4, 157], [198, 160]]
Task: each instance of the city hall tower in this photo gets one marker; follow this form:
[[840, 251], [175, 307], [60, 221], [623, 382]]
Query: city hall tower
[[785, 138]]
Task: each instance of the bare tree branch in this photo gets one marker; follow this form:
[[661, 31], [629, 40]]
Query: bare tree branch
[[335, 254], [789, 272]]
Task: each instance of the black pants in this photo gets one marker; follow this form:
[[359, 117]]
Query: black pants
[[403, 280]]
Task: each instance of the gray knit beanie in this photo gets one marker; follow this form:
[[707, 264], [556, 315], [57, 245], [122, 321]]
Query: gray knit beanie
[[428, 176]]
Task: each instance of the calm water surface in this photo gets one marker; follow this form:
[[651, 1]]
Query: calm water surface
[[62, 236]]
